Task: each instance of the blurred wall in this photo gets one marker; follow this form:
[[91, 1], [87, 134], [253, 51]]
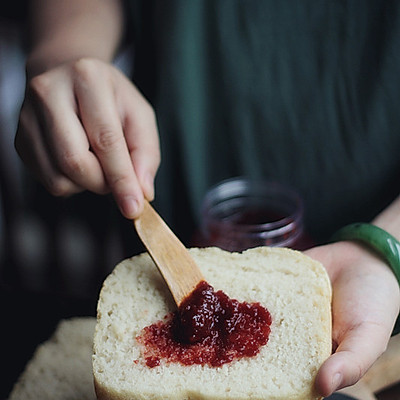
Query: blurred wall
[[47, 243]]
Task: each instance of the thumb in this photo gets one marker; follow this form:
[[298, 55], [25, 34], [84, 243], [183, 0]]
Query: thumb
[[358, 350]]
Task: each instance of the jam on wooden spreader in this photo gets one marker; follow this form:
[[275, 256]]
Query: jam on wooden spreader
[[209, 328]]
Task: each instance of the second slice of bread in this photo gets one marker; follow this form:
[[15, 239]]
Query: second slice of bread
[[293, 287]]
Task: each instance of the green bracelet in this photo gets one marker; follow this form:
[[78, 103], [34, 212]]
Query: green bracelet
[[379, 240]]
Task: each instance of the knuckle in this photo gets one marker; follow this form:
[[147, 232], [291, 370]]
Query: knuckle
[[40, 86], [148, 112], [86, 69], [71, 163], [105, 140], [58, 186], [119, 181]]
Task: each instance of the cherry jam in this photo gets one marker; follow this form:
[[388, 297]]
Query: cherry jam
[[209, 328]]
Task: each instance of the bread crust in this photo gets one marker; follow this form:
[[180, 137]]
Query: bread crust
[[283, 280]]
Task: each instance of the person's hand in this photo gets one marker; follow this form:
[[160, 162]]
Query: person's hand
[[365, 305], [84, 126]]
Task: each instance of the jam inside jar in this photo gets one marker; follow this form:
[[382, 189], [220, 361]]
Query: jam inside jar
[[239, 213]]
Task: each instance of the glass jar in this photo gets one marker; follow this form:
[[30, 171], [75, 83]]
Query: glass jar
[[239, 213]]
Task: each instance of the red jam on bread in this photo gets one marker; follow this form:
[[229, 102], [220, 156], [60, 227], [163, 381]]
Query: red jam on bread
[[209, 328]]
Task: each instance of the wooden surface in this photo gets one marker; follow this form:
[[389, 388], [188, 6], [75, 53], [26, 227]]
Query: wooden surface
[[169, 254]]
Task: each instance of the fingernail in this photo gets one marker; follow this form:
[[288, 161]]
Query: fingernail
[[129, 206], [336, 381]]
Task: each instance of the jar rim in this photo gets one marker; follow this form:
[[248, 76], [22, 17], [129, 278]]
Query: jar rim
[[241, 187]]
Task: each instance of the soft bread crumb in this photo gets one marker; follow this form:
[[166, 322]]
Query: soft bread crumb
[[61, 367], [294, 288]]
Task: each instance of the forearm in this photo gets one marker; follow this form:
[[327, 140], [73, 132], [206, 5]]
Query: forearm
[[389, 219], [66, 30]]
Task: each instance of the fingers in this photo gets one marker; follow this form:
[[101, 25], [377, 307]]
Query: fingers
[[357, 351], [101, 118], [85, 126], [65, 137], [32, 149], [51, 140]]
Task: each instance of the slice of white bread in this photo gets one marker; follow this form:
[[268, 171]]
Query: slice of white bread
[[293, 287], [61, 367]]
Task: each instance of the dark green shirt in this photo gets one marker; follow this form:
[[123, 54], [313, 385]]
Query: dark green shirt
[[301, 92]]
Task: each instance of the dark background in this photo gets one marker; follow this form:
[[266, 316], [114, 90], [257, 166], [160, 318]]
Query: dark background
[[54, 253]]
